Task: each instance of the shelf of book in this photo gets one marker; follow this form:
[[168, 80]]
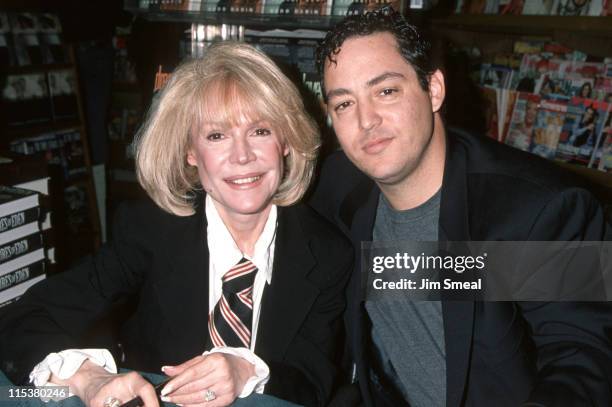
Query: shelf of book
[[252, 20], [42, 113], [27, 69], [34, 129], [600, 183], [526, 24]]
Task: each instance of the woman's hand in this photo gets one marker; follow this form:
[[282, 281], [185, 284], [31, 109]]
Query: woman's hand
[[222, 374], [94, 385]]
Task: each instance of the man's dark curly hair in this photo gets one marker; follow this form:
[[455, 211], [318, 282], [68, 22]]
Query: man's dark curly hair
[[415, 49]]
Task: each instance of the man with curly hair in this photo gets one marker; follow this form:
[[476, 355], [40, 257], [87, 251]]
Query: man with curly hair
[[403, 177]]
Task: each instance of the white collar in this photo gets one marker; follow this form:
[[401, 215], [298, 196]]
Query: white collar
[[223, 251]]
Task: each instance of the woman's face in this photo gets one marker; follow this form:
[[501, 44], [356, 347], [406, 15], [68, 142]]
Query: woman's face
[[240, 166]]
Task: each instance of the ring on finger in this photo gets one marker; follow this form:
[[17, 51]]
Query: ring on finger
[[111, 401], [209, 395]]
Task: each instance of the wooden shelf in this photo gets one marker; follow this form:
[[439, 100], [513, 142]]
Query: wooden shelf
[[20, 70], [528, 25], [34, 129], [251, 20], [601, 178]]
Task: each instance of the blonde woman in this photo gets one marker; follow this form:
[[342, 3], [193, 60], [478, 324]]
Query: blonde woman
[[239, 289]]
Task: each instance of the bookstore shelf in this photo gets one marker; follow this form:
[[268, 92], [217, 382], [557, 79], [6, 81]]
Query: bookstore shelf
[[495, 37], [251, 20], [43, 127], [533, 25], [8, 69], [600, 178]]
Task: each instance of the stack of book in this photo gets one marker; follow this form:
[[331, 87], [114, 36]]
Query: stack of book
[[22, 253]]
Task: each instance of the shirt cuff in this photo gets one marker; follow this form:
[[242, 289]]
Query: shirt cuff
[[65, 364], [256, 383]]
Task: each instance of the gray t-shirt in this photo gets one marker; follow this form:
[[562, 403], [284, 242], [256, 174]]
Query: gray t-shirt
[[409, 335]]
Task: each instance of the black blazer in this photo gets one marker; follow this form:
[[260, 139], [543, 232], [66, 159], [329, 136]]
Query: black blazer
[[162, 260], [497, 353]]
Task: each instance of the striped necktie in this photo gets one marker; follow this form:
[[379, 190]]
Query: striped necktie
[[229, 323]]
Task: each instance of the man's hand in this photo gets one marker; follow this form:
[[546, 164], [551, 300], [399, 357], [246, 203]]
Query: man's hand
[[94, 385], [223, 374]]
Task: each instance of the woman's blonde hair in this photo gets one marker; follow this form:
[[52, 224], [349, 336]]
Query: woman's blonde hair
[[245, 83]]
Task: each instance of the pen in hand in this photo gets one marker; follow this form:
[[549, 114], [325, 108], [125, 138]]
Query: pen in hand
[[137, 401]]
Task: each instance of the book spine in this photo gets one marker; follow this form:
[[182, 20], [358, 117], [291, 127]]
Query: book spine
[[23, 274], [19, 247], [17, 219], [13, 293], [22, 261]]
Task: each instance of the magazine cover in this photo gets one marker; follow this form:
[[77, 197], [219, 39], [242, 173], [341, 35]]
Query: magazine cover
[[25, 37], [52, 48], [578, 86], [547, 128], [603, 89], [582, 125], [601, 154], [533, 68], [4, 23], [528, 46], [583, 69], [496, 76], [76, 206], [520, 130], [605, 163], [577, 7], [499, 104], [63, 96], [23, 23], [506, 103], [5, 53], [71, 153], [490, 111], [26, 99], [537, 7], [48, 23]]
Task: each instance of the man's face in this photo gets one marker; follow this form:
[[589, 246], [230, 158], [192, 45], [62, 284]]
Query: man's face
[[381, 115]]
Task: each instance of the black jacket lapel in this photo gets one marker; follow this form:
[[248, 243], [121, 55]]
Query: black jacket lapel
[[286, 301], [183, 292], [458, 315], [358, 213]]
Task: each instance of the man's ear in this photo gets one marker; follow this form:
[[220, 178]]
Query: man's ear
[[437, 90]]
